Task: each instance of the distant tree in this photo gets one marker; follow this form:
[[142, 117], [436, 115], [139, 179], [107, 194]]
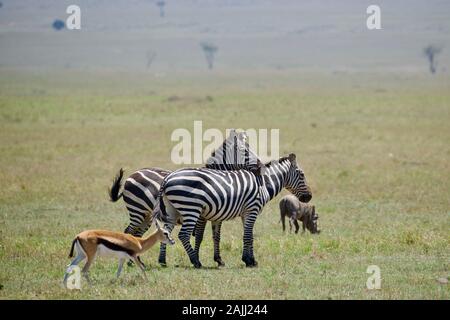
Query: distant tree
[[161, 4], [431, 52], [58, 24], [151, 55], [210, 50]]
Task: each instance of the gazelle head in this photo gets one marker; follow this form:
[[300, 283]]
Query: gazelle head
[[165, 236]]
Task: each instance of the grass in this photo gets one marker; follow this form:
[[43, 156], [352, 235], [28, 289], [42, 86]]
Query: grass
[[374, 148]]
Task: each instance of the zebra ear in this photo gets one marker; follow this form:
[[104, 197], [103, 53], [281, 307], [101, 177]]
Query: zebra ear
[[242, 136], [262, 168], [292, 157]]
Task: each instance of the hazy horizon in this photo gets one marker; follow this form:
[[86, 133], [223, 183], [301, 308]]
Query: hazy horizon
[[250, 35]]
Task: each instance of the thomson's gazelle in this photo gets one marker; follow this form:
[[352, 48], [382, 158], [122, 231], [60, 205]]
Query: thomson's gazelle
[[92, 243]]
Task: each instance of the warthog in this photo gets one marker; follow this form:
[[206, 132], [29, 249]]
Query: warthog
[[295, 210]]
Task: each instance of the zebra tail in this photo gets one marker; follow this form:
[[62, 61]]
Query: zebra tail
[[114, 194], [73, 246], [159, 211]]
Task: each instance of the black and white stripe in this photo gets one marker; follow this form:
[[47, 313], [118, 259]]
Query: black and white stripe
[[139, 194], [141, 188], [196, 194], [234, 154]]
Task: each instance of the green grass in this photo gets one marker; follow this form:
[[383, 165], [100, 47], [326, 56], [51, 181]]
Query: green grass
[[375, 150]]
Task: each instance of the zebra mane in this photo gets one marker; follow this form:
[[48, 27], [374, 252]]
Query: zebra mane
[[234, 154], [281, 160]]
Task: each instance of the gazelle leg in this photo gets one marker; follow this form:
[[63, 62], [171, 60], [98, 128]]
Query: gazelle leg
[[141, 266], [137, 227], [119, 270], [85, 270], [142, 262]]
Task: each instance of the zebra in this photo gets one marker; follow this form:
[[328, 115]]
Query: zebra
[[141, 189], [201, 193]]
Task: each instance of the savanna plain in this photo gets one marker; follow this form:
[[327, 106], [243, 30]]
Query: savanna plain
[[374, 147]]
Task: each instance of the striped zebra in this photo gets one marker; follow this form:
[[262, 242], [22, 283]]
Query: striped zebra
[[196, 194], [141, 188]]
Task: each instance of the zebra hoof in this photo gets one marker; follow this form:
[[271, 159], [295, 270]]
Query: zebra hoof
[[250, 262], [197, 265], [220, 263], [162, 263]]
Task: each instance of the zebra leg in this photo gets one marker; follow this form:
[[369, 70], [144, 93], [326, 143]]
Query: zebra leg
[[185, 235], [247, 253], [216, 225], [137, 222], [130, 230], [199, 231], [162, 255], [163, 247]]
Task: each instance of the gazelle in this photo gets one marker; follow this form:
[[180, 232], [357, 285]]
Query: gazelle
[[92, 243]]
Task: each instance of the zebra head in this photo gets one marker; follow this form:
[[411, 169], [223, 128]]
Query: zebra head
[[296, 182], [235, 154]]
